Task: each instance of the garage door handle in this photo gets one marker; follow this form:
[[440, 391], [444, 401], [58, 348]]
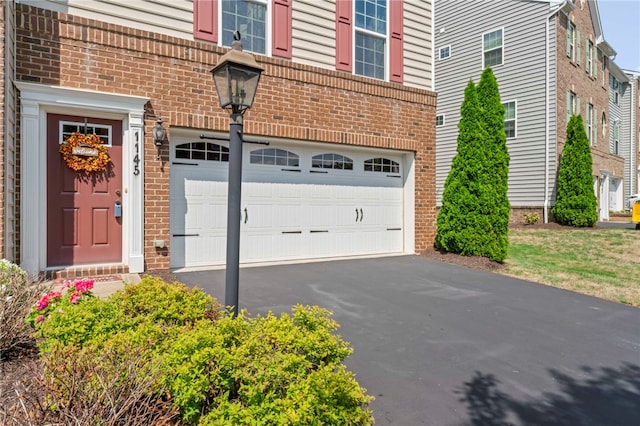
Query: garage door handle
[[361, 215], [246, 216], [357, 215], [394, 229], [186, 235], [292, 232]]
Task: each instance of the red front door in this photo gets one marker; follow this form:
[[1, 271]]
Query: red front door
[[82, 227]]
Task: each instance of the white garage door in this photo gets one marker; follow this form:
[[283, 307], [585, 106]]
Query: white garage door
[[298, 202]]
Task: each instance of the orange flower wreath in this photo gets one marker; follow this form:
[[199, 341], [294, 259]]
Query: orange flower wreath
[[88, 163]]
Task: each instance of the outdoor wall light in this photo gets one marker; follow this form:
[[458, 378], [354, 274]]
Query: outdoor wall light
[[236, 79], [159, 133]]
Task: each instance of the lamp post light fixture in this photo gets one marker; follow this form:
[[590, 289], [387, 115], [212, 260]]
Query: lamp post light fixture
[[236, 78]]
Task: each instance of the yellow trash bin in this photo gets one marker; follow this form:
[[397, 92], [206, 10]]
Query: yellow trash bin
[[635, 214]]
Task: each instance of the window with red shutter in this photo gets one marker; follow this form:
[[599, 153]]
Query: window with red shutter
[[248, 17], [364, 36]]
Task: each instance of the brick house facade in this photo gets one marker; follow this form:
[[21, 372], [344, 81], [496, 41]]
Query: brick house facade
[[585, 83], [294, 101]]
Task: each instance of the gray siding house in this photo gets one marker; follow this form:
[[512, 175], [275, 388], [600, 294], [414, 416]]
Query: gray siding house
[[551, 60], [630, 132]]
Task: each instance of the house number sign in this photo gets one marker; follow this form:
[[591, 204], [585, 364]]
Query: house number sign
[[136, 157]]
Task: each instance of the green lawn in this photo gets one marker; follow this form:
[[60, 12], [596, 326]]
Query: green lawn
[[600, 262]]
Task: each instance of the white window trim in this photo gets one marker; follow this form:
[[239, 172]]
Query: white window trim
[[515, 118], [268, 25], [387, 39], [440, 58], [502, 46], [89, 124], [571, 56], [443, 120]]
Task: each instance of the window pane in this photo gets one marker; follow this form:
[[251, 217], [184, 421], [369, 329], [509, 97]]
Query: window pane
[[372, 15], [493, 57], [370, 56], [248, 18], [381, 165]]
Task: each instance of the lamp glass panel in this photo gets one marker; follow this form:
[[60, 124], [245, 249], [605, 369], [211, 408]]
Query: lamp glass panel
[[221, 79], [243, 85]]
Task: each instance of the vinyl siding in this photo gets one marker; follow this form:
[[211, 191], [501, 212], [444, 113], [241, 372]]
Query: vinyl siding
[[418, 44], [314, 28], [521, 78], [170, 17], [627, 137]]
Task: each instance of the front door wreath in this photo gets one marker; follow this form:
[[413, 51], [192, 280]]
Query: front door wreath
[[85, 153]]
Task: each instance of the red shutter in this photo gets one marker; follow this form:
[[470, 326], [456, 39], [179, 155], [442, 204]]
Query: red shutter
[[344, 35], [396, 48], [205, 20], [281, 28]]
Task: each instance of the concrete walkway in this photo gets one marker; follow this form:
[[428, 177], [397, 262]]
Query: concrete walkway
[[106, 286]]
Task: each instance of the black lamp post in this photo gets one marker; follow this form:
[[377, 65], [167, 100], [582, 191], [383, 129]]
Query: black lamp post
[[236, 78]]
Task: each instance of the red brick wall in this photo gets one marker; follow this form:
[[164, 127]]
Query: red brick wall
[[293, 101], [572, 76]]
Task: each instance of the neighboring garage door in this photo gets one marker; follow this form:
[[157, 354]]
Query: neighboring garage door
[[298, 202]]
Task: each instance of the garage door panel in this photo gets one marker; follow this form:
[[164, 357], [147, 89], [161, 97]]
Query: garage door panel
[[286, 215]]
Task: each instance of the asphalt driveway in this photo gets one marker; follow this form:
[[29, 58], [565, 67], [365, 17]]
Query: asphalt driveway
[[438, 344]]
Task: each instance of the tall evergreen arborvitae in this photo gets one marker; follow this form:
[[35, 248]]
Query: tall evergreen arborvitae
[[458, 218], [474, 217], [494, 201], [576, 203]]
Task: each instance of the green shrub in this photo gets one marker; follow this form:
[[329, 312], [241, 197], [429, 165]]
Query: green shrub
[[172, 344], [531, 218], [576, 204], [157, 307], [474, 217], [267, 371], [18, 294]]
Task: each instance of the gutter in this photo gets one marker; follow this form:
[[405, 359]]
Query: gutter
[[566, 7]]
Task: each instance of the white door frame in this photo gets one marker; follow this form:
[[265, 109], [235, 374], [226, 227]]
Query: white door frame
[[36, 101], [604, 196]]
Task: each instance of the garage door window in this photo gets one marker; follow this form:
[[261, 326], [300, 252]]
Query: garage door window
[[331, 161], [380, 164], [275, 157], [202, 151]]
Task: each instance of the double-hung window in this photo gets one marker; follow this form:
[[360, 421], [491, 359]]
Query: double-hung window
[[571, 40], [510, 119], [492, 44], [264, 25], [573, 104], [590, 124], [370, 38], [615, 90], [616, 137], [589, 66]]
